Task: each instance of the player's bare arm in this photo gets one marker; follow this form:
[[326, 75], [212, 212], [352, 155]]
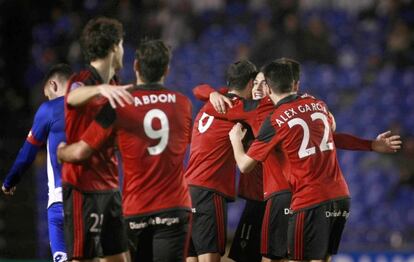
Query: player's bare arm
[[116, 95], [74, 153], [244, 162], [386, 143]]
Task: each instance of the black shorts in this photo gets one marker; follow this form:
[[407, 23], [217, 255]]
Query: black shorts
[[246, 241], [315, 233], [275, 226], [208, 231], [159, 237], [94, 226]]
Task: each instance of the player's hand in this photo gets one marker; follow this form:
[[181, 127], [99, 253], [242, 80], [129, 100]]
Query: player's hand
[[116, 95], [59, 152], [8, 191], [219, 102], [386, 143], [237, 133]]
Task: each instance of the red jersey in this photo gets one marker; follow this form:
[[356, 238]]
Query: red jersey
[[300, 130], [99, 172], [212, 165], [253, 113], [152, 135]]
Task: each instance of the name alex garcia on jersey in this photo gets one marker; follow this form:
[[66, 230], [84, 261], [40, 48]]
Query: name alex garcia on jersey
[[291, 112]]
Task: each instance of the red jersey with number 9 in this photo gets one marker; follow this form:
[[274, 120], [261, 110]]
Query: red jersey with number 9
[[153, 135], [300, 129]]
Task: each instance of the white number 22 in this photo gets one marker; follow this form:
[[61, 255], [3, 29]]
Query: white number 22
[[324, 146], [162, 133]]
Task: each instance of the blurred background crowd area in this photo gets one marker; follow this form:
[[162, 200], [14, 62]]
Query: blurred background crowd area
[[357, 55]]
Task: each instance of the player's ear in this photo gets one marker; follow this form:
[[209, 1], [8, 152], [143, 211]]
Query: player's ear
[[54, 86]]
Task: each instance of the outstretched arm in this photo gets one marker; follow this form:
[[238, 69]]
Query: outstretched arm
[[384, 143], [116, 95]]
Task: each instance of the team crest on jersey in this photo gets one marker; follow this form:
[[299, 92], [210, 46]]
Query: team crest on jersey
[[75, 85]]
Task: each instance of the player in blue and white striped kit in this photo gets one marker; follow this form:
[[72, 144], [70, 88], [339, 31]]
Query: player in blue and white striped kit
[[48, 129]]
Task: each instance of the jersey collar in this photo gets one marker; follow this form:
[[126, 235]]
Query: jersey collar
[[287, 99], [98, 77]]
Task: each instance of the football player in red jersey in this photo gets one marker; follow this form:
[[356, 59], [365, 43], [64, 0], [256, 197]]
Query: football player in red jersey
[[94, 226], [153, 134], [211, 171], [274, 229], [300, 129]]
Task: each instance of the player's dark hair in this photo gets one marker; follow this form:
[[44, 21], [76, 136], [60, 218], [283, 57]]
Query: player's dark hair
[[99, 36], [153, 57], [279, 77], [240, 73], [60, 70], [294, 64]]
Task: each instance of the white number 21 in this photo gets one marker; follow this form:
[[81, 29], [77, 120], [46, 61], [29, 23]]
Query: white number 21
[[324, 146], [162, 133]]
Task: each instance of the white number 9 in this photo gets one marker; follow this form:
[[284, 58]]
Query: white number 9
[[162, 133]]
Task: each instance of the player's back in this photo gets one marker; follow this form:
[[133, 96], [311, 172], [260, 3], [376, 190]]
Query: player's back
[[153, 135], [303, 125], [55, 137], [211, 165]]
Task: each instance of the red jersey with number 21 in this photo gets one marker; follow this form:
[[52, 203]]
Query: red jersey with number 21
[[300, 128]]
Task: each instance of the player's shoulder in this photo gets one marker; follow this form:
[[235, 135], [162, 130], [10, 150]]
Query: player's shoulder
[[58, 101], [267, 130], [180, 95], [84, 76], [47, 108], [308, 97]]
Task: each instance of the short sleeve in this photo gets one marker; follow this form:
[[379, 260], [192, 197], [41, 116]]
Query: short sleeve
[[101, 128]]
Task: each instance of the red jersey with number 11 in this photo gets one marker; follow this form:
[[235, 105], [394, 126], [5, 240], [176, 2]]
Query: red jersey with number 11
[[153, 135]]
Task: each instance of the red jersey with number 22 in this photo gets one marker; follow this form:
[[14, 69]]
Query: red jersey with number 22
[[300, 129]]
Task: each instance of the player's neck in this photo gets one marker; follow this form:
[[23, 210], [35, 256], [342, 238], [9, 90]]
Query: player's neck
[[104, 68], [277, 97], [142, 82]]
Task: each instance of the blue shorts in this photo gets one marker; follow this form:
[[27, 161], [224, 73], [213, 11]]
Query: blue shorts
[[56, 236]]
